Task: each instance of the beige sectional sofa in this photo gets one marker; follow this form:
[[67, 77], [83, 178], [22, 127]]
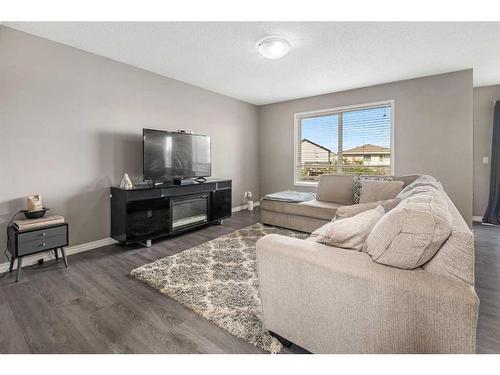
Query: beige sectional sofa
[[333, 191], [333, 300]]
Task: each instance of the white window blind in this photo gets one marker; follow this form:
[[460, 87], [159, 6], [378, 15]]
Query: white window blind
[[351, 141]]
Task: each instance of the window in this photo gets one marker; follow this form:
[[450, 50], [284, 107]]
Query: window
[[350, 140]]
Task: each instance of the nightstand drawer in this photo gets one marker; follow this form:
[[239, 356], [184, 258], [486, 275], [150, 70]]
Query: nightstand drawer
[[41, 233], [25, 248]]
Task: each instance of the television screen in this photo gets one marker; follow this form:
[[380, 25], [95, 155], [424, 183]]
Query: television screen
[[169, 155]]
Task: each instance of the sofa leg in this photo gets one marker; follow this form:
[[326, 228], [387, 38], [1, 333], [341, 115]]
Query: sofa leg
[[282, 340]]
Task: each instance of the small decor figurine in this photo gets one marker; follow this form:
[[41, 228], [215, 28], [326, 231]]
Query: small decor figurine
[[34, 202], [35, 208], [126, 183]]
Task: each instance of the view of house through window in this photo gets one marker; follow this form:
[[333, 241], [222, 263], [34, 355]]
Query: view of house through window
[[352, 141]]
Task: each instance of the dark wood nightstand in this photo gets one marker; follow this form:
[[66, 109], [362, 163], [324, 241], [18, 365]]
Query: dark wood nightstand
[[21, 243]]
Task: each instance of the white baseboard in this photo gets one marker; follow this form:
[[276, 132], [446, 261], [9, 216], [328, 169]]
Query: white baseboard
[[244, 207], [479, 219], [33, 259]]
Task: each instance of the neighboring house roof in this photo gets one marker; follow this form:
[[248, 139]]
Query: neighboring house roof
[[317, 145], [367, 149]]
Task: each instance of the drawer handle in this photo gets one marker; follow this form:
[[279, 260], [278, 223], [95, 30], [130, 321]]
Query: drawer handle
[[43, 244], [43, 234]]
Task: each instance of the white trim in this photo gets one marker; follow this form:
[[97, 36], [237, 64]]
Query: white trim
[[33, 259], [298, 115], [296, 119], [345, 108], [479, 219], [244, 207], [393, 145], [306, 183]]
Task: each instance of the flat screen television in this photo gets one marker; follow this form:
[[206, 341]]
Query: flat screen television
[[174, 155]]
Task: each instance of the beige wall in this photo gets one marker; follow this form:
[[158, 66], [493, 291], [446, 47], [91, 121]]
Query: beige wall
[[483, 132], [71, 125], [433, 132]]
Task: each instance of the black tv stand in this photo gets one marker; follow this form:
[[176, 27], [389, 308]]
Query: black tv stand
[[150, 212]]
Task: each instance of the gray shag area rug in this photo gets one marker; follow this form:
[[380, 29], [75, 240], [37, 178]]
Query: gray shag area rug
[[218, 280]]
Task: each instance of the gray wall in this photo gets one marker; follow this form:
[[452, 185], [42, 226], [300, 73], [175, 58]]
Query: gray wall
[[71, 125], [433, 132], [483, 132]]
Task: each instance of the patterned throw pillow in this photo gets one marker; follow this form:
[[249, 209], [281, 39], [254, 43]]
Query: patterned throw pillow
[[357, 184]]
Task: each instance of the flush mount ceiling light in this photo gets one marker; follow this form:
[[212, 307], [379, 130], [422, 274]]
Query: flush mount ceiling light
[[274, 47]]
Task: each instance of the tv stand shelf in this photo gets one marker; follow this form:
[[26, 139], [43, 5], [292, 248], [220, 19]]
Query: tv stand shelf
[[146, 213]]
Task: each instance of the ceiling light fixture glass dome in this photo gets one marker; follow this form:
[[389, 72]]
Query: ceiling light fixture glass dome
[[274, 47]]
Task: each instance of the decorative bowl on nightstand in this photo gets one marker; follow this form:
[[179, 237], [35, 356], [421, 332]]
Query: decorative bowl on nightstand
[[35, 214]]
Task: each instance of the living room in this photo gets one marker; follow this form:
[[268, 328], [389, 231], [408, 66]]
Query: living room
[[249, 187]]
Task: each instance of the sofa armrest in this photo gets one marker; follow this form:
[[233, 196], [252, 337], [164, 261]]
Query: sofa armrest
[[309, 289]]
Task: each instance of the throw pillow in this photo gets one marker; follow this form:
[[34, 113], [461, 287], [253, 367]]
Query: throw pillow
[[407, 179], [349, 211], [372, 190], [356, 187], [421, 184], [349, 233], [411, 234], [335, 188]]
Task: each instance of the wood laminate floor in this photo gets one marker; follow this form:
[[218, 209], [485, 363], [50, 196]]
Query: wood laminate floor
[[487, 245], [94, 306]]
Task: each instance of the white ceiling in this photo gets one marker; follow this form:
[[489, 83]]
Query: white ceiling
[[325, 57]]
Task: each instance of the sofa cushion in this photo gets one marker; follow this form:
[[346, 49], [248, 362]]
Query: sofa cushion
[[349, 233], [301, 223], [422, 184], [407, 179], [357, 183], [410, 234], [373, 190], [313, 208], [335, 189], [349, 211], [456, 256]]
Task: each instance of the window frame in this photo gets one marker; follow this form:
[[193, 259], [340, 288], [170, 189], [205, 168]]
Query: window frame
[[324, 112]]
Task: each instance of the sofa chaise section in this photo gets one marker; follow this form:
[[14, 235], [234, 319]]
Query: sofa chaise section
[[304, 216], [333, 192]]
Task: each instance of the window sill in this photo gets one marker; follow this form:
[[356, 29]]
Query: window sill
[[304, 183]]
